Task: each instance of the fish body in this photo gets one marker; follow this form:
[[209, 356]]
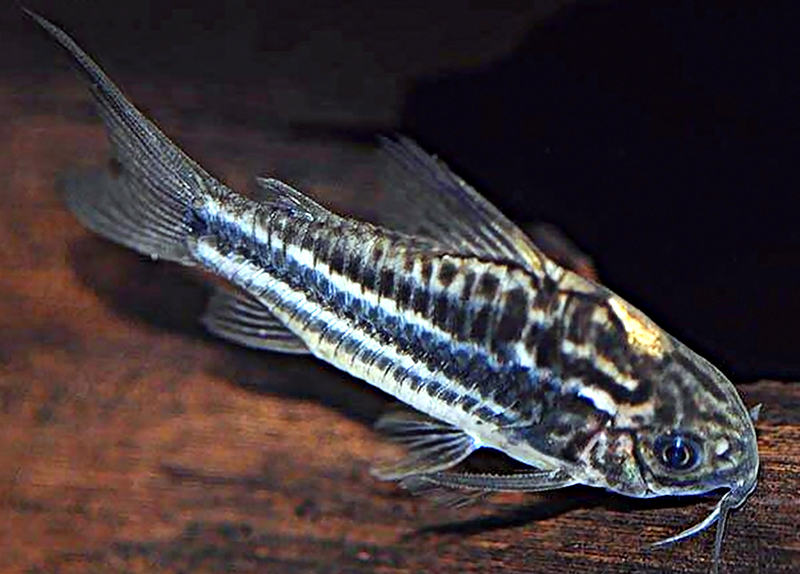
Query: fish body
[[552, 369], [451, 309]]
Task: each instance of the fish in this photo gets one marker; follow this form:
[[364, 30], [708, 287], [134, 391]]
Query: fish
[[448, 307]]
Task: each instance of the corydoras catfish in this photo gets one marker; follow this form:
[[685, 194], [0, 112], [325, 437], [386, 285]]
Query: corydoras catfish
[[450, 308]]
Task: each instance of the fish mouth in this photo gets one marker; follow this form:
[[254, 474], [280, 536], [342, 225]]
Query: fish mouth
[[731, 500]]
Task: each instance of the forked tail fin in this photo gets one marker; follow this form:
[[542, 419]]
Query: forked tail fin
[[145, 203]]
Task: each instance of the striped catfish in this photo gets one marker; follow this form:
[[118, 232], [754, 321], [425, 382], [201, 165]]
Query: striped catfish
[[450, 308]]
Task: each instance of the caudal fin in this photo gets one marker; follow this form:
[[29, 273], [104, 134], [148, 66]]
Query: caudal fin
[[145, 203], [119, 211]]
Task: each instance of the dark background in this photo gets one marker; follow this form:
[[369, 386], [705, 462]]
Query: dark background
[[661, 136], [664, 139]]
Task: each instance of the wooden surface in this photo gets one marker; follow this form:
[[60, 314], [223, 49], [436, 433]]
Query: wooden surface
[[133, 442]]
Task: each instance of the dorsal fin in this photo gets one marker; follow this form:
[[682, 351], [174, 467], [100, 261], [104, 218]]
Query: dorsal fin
[[425, 198]]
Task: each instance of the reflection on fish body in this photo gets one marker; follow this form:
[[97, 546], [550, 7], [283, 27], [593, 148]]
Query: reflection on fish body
[[449, 307]]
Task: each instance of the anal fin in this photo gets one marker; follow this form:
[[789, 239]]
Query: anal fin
[[432, 445], [242, 319]]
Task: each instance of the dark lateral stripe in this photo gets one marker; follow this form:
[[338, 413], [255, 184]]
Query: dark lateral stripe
[[404, 290], [463, 385], [578, 319], [441, 312], [446, 310], [337, 254], [468, 286], [420, 299], [426, 271], [457, 304], [386, 282], [612, 344], [481, 322], [443, 317], [447, 272]]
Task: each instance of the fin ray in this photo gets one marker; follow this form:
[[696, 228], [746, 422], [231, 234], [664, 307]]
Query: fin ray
[[242, 319], [530, 481], [108, 207], [453, 497], [461, 489], [275, 192], [432, 445], [561, 249], [426, 198], [147, 206]]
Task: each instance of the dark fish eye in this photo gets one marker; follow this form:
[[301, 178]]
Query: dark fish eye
[[676, 451]]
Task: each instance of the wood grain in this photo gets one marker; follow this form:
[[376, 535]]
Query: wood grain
[[133, 442]]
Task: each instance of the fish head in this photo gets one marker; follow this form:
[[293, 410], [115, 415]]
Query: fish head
[[673, 424], [702, 437], [683, 431], [709, 444]]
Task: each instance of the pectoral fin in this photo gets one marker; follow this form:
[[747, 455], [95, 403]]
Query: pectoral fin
[[432, 445], [454, 497]]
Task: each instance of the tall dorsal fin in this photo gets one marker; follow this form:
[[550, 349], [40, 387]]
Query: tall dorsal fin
[[424, 198]]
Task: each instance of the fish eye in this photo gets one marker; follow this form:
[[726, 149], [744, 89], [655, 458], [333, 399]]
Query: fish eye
[[677, 451]]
